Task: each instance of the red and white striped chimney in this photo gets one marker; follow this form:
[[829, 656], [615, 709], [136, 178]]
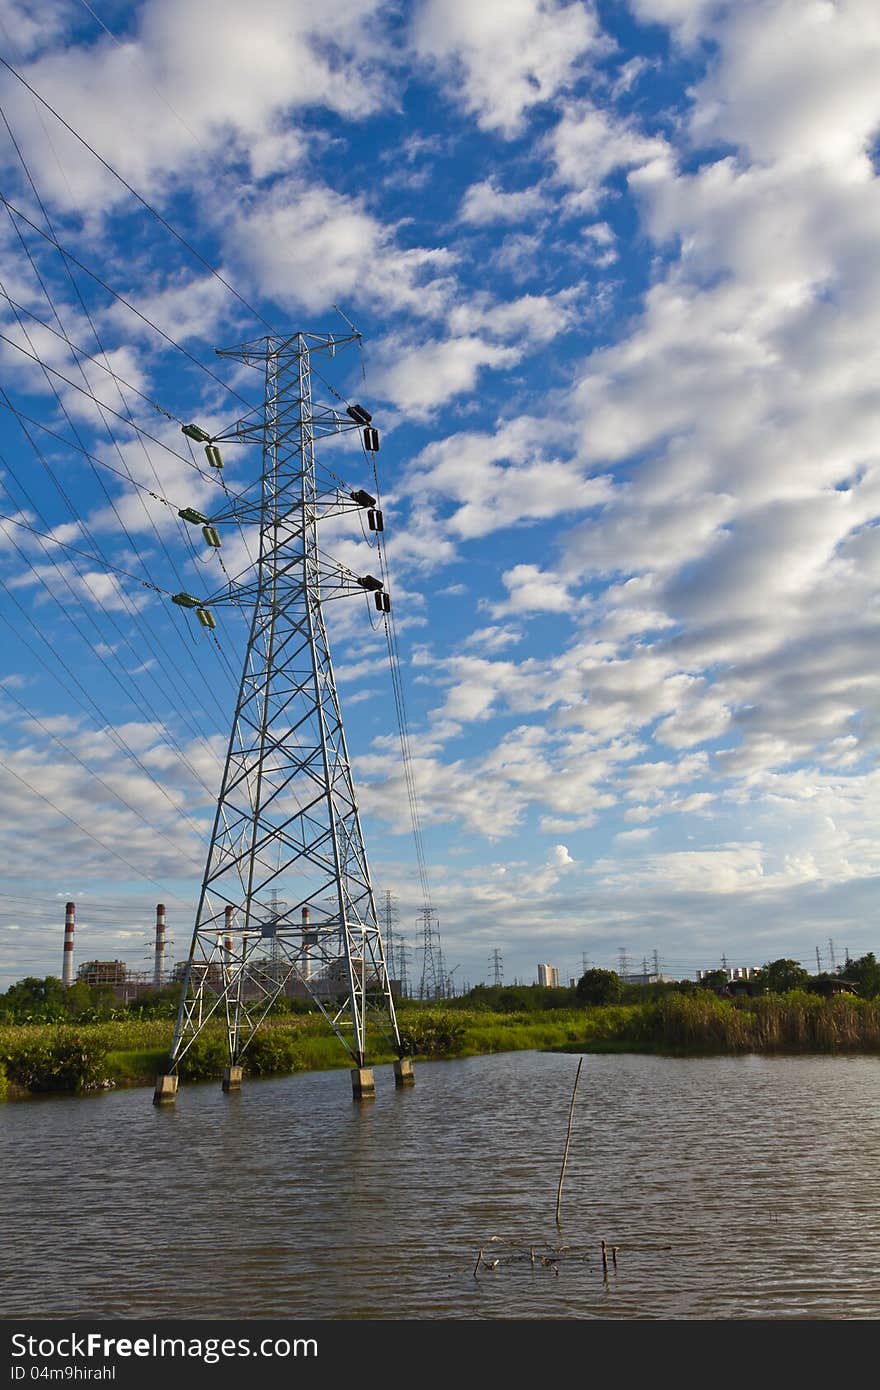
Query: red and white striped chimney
[[159, 959], [69, 924]]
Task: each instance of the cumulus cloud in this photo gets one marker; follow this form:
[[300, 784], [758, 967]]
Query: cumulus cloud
[[309, 245], [501, 57], [485, 203], [253, 67]]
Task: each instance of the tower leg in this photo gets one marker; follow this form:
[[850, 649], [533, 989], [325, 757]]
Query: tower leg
[[232, 1079], [403, 1073], [363, 1083], [166, 1090]]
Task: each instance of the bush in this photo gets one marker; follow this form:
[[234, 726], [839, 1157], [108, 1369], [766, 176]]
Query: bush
[[65, 1060], [205, 1059], [431, 1035], [599, 987], [273, 1052]]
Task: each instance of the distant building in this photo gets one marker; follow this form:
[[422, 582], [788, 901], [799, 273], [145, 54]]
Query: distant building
[[643, 977], [548, 975], [102, 972], [733, 972]]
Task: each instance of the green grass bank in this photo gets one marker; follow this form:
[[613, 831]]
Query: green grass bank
[[38, 1058]]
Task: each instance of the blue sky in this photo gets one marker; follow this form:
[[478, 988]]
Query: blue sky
[[615, 267]]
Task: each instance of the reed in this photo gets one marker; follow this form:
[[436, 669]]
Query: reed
[[39, 1057]]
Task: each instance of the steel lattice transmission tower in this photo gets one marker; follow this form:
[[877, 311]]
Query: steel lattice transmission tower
[[287, 895], [433, 981]]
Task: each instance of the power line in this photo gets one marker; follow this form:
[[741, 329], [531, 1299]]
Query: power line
[[92, 773], [120, 298], [93, 559], [133, 191], [103, 845]]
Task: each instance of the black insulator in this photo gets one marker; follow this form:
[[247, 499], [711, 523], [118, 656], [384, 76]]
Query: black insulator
[[358, 414], [371, 441], [374, 520], [369, 582], [362, 498], [382, 602]]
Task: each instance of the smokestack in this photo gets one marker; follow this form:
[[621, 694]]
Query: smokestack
[[69, 924], [308, 938], [159, 960]]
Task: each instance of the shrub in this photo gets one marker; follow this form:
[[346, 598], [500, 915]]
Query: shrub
[[273, 1052], [431, 1035], [205, 1059], [65, 1060]]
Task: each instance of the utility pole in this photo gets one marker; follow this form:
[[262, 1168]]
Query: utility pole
[[287, 818], [656, 960], [496, 965], [831, 956], [818, 962]]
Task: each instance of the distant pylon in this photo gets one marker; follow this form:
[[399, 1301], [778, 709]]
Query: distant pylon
[[433, 982], [404, 956], [496, 965], [287, 825], [391, 920], [623, 966]]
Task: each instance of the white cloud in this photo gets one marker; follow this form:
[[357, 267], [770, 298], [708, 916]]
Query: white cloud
[[153, 112], [310, 246], [420, 377], [504, 56], [589, 144], [500, 479], [485, 204], [533, 590]]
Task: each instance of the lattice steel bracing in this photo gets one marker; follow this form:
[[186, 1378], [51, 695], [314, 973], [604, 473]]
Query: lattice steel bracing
[[287, 894], [433, 984]]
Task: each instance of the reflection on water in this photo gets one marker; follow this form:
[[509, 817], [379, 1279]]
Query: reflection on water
[[290, 1201]]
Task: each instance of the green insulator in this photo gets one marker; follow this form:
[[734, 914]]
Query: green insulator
[[212, 454], [206, 617], [195, 432], [190, 514], [186, 600], [211, 536]]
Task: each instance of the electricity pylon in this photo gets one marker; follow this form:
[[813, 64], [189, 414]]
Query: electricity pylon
[[287, 826], [433, 981]]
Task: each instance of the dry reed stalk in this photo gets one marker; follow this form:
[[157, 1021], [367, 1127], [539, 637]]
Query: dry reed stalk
[[567, 1140]]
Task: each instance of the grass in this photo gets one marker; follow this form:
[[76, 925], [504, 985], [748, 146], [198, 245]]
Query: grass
[[64, 1057]]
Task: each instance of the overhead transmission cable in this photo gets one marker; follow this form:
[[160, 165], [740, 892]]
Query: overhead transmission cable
[[117, 795], [80, 522], [121, 298], [143, 201], [46, 370], [108, 727], [105, 365], [134, 697], [137, 871]]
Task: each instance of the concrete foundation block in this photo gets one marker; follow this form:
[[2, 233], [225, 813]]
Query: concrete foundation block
[[363, 1083], [166, 1090], [232, 1079], [404, 1074]]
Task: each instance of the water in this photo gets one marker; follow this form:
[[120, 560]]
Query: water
[[740, 1187]]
